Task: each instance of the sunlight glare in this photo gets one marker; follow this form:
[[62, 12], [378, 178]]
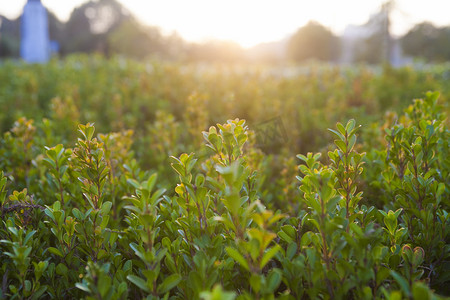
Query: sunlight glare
[[251, 22], [247, 22]]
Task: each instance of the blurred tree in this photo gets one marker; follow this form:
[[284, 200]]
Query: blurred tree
[[90, 24], [56, 27], [443, 44], [427, 41], [9, 37], [105, 26], [313, 41], [134, 40], [129, 39]]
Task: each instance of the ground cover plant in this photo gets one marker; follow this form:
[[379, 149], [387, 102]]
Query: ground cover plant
[[176, 209]]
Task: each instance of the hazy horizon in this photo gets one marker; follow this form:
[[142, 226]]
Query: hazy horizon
[[253, 22]]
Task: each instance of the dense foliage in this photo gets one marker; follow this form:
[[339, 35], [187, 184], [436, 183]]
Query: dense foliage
[[85, 215], [428, 42]]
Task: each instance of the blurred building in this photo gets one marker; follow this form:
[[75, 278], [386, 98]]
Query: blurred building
[[351, 40], [35, 41], [372, 42]]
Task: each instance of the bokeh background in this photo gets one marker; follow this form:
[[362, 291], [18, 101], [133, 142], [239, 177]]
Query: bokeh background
[[401, 32]]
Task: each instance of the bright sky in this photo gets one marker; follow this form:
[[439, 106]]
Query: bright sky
[[250, 22]]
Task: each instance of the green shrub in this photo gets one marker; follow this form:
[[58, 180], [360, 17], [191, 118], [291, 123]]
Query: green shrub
[[365, 223]]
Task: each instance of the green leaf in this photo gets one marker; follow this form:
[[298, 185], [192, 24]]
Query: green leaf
[[273, 280], [255, 282], [350, 125], [290, 231], [134, 183], [268, 255], [55, 251], [351, 143], [315, 223], [49, 213], [234, 254], [28, 236], [104, 285], [285, 237], [341, 145], [122, 288], [341, 137], [83, 287], [37, 294], [169, 283], [77, 214], [139, 282], [341, 128], [27, 286], [150, 183], [50, 163], [402, 282], [421, 291], [106, 207], [291, 250], [217, 294], [62, 270]]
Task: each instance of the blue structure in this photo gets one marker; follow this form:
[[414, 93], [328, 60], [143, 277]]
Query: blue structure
[[35, 42]]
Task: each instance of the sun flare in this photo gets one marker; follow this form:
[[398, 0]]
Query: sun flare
[[251, 22]]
